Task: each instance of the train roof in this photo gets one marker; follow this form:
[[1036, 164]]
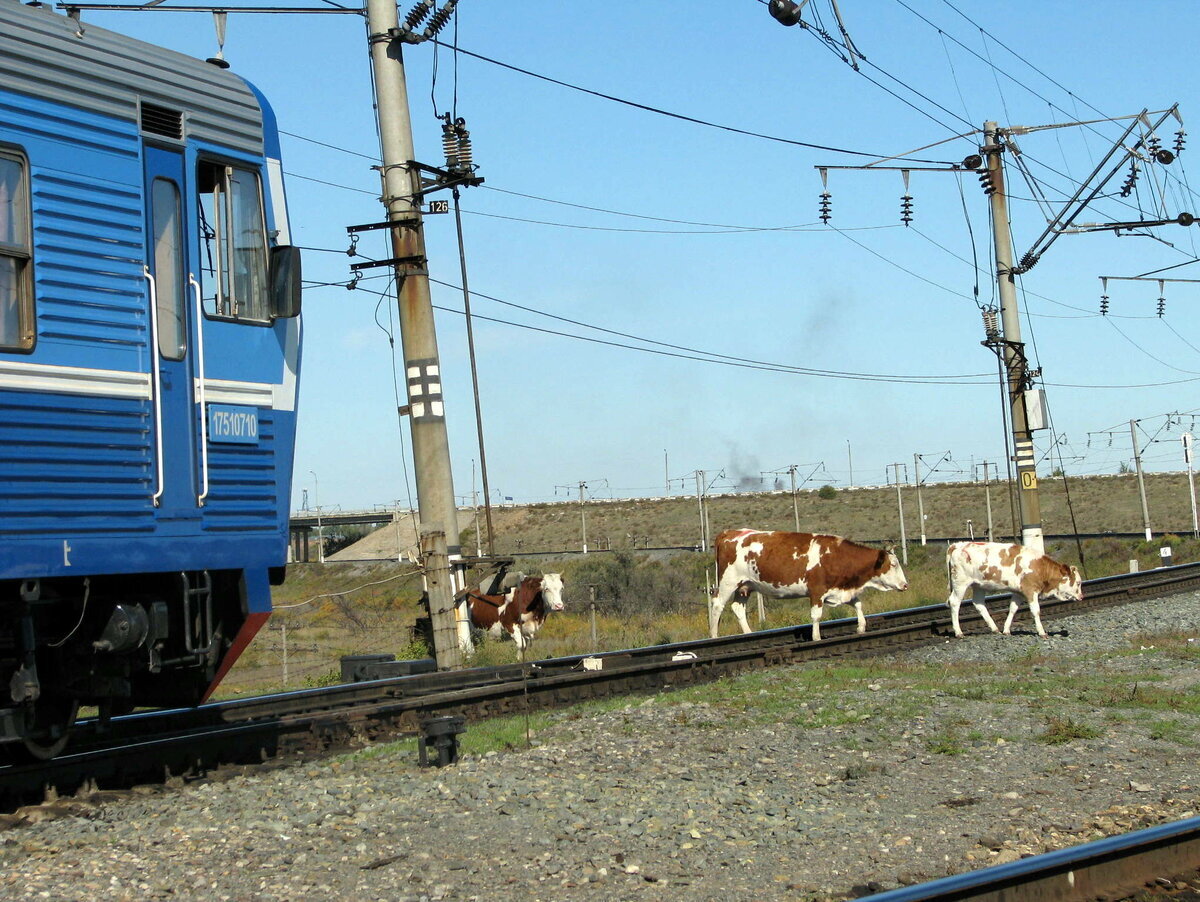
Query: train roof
[[54, 57]]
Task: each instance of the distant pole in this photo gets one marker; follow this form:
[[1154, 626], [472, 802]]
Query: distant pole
[[987, 493], [320, 529], [700, 502], [850, 460], [592, 589], [475, 505], [920, 503], [1137, 462], [283, 633], [583, 514], [666, 472], [900, 505], [422, 367], [795, 504], [1013, 347], [1187, 456]]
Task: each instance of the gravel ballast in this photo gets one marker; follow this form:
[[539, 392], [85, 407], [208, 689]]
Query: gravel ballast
[[775, 786]]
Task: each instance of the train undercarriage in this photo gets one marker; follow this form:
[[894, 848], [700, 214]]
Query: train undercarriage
[[111, 642]]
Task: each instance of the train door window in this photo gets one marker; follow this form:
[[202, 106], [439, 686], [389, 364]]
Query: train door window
[[167, 226], [234, 282], [16, 252]]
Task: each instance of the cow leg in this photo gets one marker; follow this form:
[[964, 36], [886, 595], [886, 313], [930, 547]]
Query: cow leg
[[739, 610], [1013, 604], [716, 604], [862, 620], [1035, 608], [954, 601], [814, 614], [978, 596]]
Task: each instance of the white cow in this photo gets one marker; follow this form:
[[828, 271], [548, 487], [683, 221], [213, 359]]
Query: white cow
[[1006, 567]]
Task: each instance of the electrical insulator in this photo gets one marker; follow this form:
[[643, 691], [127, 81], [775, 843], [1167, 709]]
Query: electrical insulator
[[464, 143], [449, 142], [1180, 140], [826, 202], [785, 12], [417, 14], [439, 19], [1130, 180], [906, 209], [1104, 305], [1162, 306], [1154, 145], [985, 180], [991, 327]]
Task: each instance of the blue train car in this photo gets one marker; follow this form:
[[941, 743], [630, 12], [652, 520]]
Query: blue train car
[[149, 356]]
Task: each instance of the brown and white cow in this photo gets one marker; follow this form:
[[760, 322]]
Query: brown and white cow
[[828, 569], [1008, 567], [520, 611]]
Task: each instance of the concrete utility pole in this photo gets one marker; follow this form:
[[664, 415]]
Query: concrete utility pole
[[920, 503], [431, 448], [583, 515], [700, 490], [1186, 438], [1137, 462], [900, 504], [987, 493], [1013, 347], [795, 503]]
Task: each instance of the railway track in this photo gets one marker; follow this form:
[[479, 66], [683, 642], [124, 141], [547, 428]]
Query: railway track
[[150, 746]]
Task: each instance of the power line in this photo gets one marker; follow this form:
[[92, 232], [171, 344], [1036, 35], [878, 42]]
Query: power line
[[681, 117], [686, 353]]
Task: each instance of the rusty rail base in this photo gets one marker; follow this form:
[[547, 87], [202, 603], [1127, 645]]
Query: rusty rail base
[[1118, 867]]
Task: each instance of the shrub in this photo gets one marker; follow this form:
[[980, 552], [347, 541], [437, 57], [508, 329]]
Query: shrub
[[826, 492]]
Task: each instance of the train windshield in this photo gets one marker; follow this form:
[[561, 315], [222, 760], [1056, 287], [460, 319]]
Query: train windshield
[[234, 273]]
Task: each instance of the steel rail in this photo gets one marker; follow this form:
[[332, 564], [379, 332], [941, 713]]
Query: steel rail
[[1117, 867]]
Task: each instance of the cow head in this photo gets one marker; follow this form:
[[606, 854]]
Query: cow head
[[1071, 587], [552, 589], [891, 574]]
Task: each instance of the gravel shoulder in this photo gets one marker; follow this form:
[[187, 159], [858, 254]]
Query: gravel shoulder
[[806, 782]]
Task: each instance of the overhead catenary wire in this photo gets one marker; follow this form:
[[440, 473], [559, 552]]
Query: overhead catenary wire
[[719, 359], [684, 118]]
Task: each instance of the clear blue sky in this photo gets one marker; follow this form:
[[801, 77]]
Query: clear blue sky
[[728, 256]]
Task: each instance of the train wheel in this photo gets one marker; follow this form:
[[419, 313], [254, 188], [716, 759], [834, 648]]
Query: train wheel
[[49, 727]]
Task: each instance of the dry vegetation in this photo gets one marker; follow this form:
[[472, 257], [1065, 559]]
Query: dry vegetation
[[350, 606]]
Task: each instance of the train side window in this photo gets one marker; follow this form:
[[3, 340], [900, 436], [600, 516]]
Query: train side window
[[16, 254], [167, 223], [233, 227]]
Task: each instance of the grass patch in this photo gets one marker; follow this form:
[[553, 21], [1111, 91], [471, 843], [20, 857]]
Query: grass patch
[[1061, 730], [1171, 730], [502, 733], [945, 744]]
